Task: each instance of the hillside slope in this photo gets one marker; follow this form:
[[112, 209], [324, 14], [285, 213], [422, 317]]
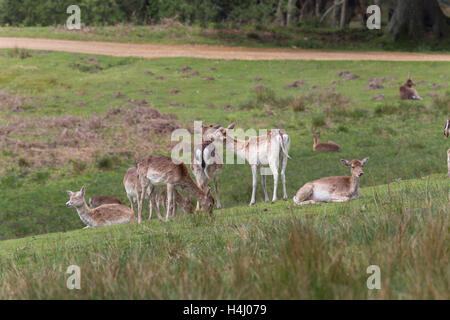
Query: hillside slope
[[269, 251]]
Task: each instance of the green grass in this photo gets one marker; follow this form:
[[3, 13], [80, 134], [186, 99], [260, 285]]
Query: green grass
[[269, 251], [403, 139], [63, 125], [260, 37]]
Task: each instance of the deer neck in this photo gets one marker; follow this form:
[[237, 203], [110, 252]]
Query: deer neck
[[236, 145], [354, 185], [192, 188], [85, 213]]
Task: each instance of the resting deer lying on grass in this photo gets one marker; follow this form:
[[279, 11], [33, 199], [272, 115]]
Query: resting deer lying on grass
[[260, 151], [157, 170], [97, 201], [133, 188], [407, 91], [333, 189], [105, 215], [205, 163], [329, 146]]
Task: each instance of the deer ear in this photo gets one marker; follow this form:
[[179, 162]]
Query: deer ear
[[364, 161], [231, 126], [217, 126], [83, 189], [70, 193], [345, 162]]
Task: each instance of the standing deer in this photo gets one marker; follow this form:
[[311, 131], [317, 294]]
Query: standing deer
[[105, 215], [333, 189], [158, 170], [97, 201], [329, 146], [206, 163], [133, 188], [260, 151], [407, 91]]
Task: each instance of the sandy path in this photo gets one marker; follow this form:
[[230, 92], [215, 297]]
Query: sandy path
[[208, 52]]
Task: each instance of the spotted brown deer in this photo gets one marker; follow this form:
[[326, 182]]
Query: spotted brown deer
[[158, 170], [97, 201], [329, 146], [260, 151], [406, 91], [206, 164], [333, 189], [104, 215], [133, 188]]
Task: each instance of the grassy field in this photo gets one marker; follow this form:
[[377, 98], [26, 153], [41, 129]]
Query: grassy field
[[261, 36], [68, 120], [263, 252]]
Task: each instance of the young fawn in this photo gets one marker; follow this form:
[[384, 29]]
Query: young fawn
[[333, 189], [329, 146], [105, 215], [206, 163], [158, 170], [406, 91], [133, 188], [97, 201]]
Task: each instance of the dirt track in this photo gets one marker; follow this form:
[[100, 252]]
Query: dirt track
[[208, 52]]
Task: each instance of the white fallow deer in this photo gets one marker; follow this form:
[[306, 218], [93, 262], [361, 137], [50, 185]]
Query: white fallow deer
[[260, 151], [406, 91], [158, 170], [104, 215], [206, 163], [333, 189], [133, 188]]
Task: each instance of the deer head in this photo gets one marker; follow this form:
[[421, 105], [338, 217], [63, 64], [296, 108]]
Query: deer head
[[355, 166], [207, 202], [410, 83], [76, 198]]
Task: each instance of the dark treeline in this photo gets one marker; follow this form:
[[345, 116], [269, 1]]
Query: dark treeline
[[241, 12], [427, 15]]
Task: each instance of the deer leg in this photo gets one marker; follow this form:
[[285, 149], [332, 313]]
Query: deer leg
[[264, 185], [283, 176], [131, 202], [169, 200], [274, 169], [343, 199], [306, 202], [140, 196], [216, 191], [255, 182], [304, 194], [158, 199], [174, 197]]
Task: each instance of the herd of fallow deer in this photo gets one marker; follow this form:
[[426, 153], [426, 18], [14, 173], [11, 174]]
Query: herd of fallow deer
[[159, 179]]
